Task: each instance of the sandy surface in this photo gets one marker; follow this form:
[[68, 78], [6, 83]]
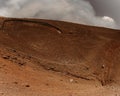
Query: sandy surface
[[64, 59]]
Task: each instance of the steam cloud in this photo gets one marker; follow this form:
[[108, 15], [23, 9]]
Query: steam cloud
[[77, 11]]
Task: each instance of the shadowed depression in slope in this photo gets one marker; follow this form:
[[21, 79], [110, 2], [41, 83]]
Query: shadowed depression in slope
[[29, 21]]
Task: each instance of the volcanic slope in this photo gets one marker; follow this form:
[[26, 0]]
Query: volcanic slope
[[54, 58]]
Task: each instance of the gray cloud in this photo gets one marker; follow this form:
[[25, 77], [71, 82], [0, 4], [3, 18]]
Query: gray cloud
[[77, 11]]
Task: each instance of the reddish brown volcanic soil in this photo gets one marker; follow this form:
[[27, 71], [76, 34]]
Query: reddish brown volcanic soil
[[53, 58]]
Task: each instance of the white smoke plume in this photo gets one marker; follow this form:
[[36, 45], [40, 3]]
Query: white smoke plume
[[77, 11]]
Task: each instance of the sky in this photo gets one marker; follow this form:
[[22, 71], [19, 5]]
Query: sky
[[104, 13], [107, 8]]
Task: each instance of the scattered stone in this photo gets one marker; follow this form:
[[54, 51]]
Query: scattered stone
[[47, 84], [61, 80], [23, 57], [29, 57], [1, 93], [70, 95], [3, 65], [18, 55], [15, 82], [87, 68], [6, 57], [48, 68], [59, 32], [76, 81], [21, 63], [70, 33], [51, 68], [27, 85], [14, 50], [71, 80], [103, 66], [15, 58]]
